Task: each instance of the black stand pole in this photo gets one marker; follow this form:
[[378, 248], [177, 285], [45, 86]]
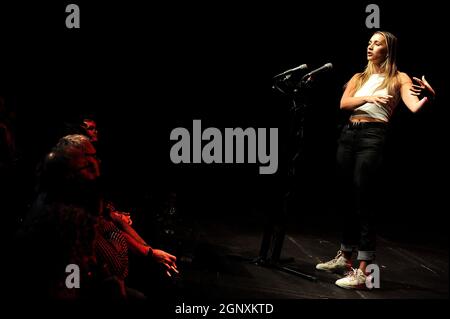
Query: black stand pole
[[274, 234], [275, 230]]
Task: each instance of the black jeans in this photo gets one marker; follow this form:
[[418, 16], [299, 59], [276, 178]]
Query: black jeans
[[359, 157]]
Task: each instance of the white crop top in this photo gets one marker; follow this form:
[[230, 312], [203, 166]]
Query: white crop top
[[377, 111]]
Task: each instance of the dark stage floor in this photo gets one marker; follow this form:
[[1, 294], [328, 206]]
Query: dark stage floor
[[216, 266]]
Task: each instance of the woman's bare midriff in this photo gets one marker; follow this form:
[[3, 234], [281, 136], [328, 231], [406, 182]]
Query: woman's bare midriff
[[365, 119]]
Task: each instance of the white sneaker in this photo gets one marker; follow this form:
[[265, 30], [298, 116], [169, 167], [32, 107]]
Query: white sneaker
[[355, 279], [338, 263]]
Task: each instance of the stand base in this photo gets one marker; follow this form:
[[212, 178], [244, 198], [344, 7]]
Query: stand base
[[294, 271], [281, 266], [278, 265]]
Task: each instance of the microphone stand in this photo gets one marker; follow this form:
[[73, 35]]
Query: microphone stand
[[275, 231]]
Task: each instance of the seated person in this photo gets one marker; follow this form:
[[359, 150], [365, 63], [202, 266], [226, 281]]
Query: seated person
[[87, 126], [66, 225]]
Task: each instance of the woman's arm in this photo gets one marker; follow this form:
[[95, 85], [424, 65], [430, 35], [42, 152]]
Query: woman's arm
[[410, 92], [126, 228], [136, 246], [350, 102]]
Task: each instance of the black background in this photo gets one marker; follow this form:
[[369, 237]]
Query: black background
[[146, 68]]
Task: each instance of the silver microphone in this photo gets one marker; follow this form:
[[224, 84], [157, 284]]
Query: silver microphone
[[289, 72]]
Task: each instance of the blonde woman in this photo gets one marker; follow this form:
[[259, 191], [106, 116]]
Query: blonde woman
[[372, 97]]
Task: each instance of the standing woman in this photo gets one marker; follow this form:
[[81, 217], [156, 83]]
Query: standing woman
[[372, 97]]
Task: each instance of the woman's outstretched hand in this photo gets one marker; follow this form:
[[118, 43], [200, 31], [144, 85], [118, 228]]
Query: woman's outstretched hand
[[167, 260], [420, 86]]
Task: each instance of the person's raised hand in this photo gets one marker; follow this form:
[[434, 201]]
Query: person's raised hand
[[379, 100], [167, 260], [420, 86]]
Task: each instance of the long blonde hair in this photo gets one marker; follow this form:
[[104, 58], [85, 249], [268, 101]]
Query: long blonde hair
[[388, 67]]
